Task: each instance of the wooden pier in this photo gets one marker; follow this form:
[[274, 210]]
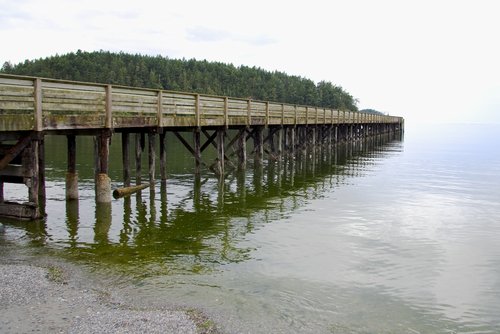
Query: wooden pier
[[31, 108]]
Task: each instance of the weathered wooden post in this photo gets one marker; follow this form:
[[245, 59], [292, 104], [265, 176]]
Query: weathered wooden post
[[71, 173], [126, 158], [219, 169], [241, 149], [291, 139], [151, 157], [163, 158], [103, 182], [258, 144], [139, 148], [197, 151]]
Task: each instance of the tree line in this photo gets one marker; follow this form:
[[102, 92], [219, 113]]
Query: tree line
[[191, 75]]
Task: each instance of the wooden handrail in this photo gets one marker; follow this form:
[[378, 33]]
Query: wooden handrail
[[32, 103]]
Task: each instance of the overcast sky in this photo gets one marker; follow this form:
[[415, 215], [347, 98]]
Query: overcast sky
[[426, 60]]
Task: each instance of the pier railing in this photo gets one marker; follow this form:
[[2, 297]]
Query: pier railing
[[39, 104]]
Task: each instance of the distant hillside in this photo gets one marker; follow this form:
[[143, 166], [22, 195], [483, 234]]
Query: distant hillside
[[186, 75]]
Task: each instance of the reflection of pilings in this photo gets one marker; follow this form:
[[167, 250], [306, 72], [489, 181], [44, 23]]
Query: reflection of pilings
[[102, 223], [126, 226], [163, 203], [72, 221]]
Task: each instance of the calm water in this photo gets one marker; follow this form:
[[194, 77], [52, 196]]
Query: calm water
[[383, 236]]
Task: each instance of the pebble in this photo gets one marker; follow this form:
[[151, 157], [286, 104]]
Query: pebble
[[29, 301]]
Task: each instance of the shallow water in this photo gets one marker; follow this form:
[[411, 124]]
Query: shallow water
[[379, 236]]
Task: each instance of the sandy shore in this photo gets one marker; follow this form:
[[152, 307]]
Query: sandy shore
[[48, 298]]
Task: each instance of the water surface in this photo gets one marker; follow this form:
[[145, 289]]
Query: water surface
[[379, 236]]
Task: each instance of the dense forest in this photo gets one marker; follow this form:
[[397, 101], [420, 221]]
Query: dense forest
[[186, 75]]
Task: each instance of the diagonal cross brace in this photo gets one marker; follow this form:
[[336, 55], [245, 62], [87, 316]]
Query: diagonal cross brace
[[14, 151]]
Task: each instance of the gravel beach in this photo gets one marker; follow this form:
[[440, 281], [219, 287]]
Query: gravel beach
[[48, 299]]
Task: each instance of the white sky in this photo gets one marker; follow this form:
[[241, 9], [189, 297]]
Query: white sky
[[426, 60]]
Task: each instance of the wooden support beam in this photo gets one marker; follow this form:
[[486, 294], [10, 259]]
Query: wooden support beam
[[210, 139], [152, 156], [14, 151], [139, 148], [71, 174], [220, 152], [258, 144], [109, 107], [41, 170], [126, 158], [196, 152], [163, 157], [103, 182], [242, 149]]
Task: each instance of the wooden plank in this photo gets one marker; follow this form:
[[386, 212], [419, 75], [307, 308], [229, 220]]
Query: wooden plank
[[16, 82], [134, 92], [72, 95], [49, 108], [20, 105], [179, 96], [16, 91], [73, 86], [19, 171], [18, 211]]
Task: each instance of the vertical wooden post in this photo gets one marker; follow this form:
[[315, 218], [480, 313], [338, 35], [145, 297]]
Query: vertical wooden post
[[226, 112], [109, 107], [71, 173], [220, 152], [139, 147], [272, 146], [30, 165], [291, 141], [159, 111], [242, 149], [258, 144], [280, 140], [249, 112], [197, 110], [41, 168], [151, 158], [103, 182], [267, 114], [126, 158], [197, 151], [38, 105], [163, 158]]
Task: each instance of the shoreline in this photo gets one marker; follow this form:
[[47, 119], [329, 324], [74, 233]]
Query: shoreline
[[51, 296]]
